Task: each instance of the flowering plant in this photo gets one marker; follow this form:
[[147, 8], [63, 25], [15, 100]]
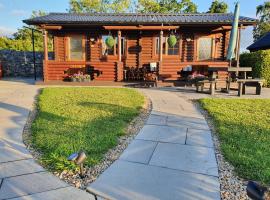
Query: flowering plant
[[78, 77]]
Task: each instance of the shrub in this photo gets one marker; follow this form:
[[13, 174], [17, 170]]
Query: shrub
[[260, 63]]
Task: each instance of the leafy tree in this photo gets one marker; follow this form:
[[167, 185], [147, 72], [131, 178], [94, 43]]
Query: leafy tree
[[22, 39], [166, 6], [218, 7], [263, 27], [93, 6]]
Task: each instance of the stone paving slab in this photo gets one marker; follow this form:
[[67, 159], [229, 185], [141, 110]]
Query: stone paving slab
[[185, 157], [190, 122], [152, 183], [13, 153], [139, 151], [20, 167], [197, 137], [163, 134], [67, 193], [29, 184], [157, 119]]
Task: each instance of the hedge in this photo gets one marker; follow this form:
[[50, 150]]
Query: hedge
[[260, 63]]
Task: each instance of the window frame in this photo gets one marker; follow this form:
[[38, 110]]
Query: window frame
[[114, 48], [156, 39], [198, 37], [83, 46]]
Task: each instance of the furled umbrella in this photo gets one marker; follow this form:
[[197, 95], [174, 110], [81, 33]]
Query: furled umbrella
[[234, 33]]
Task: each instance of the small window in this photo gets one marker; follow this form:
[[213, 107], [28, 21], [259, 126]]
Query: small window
[[123, 46], [76, 48], [105, 50], [166, 50], [173, 50], [157, 45], [205, 46]]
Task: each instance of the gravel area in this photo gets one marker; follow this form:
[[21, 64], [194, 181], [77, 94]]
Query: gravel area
[[231, 186], [91, 173]]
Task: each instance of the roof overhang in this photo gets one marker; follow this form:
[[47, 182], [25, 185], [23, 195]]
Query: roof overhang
[[141, 27]]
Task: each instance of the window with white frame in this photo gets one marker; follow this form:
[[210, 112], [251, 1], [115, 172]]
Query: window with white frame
[[205, 48], [166, 49], [76, 47]]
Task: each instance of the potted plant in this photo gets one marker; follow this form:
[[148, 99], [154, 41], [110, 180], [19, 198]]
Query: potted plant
[[87, 78], [172, 40], [110, 42]]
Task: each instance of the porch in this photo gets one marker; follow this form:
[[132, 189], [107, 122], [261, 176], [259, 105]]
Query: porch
[[135, 48]]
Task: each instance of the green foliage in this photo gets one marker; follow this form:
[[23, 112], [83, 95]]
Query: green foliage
[[260, 63], [264, 24], [74, 119], [22, 39], [260, 30], [243, 128], [104, 6], [110, 42], [166, 6], [172, 40], [218, 7]]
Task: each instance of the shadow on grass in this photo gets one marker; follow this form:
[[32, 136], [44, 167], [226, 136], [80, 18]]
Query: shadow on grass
[[56, 137]]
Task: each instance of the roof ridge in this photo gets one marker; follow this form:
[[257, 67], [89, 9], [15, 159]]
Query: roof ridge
[[141, 14]]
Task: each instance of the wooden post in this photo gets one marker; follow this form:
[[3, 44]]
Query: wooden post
[[45, 46], [119, 46], [160, 46]]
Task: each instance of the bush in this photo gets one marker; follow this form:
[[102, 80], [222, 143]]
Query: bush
[[260, 63]]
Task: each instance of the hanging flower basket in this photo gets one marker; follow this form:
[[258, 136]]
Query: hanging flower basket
[[172, 40], [109, 42]]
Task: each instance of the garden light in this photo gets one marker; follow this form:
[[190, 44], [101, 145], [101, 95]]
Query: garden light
[[78, 159]]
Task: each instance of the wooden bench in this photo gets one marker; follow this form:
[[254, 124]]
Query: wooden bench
[[200, 85], [242, 83]]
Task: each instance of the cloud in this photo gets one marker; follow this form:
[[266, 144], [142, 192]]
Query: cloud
[[19, 12], [5, 31], [1, 6]]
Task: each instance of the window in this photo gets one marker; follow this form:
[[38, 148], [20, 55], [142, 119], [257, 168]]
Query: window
[[105, 50], [205, 46], [174, 50], [76, 48], [166, 50], [123, 46]]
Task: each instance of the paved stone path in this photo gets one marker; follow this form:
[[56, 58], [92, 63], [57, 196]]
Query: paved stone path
[[20, 177], [171, 158]]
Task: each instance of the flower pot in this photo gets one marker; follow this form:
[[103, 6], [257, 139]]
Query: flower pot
[[73, 79]]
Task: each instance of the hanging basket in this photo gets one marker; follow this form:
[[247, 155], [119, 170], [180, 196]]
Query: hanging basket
[[109, 42], [172, 40]]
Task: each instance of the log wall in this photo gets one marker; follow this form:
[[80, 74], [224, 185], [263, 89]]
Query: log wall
[[140, 51]]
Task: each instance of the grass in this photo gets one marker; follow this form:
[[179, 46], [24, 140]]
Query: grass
[[89, 119], [243, 127]]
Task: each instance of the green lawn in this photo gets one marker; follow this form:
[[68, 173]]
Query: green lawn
[[89, 119], [243, 127]]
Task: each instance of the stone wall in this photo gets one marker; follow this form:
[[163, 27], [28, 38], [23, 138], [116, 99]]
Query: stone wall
[[20, 63]]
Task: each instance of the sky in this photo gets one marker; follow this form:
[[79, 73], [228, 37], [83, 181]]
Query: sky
[[12, 12]]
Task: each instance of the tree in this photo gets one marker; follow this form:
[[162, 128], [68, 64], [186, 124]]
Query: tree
[[218, 7], [166, 6], [22, 39], [263, 27], [104, 6]]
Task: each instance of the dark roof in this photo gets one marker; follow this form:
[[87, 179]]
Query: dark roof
[[261, 44], [135, 18]]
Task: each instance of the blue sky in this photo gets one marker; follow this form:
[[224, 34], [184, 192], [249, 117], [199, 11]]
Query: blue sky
[[12, 12]]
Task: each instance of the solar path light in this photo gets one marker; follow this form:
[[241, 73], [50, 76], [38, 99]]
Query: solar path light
[[78, 159]]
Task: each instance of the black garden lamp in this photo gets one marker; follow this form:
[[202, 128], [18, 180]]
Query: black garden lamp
[[78, 159]]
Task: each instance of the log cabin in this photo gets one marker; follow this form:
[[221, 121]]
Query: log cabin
[[79, 43]]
